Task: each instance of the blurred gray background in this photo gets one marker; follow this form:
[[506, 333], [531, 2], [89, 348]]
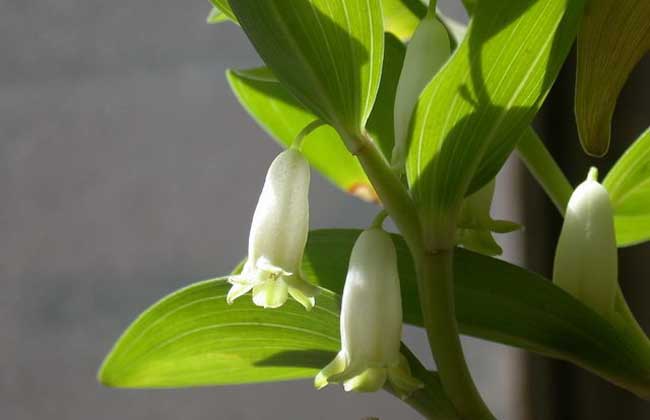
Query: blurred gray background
[[128, 170]]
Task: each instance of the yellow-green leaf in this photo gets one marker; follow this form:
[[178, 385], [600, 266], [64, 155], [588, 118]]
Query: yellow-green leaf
[[614, 36], [283, 117], [192, 337], [628, 184], [327, 53], [401, 17], [223, 7], [471, 115]]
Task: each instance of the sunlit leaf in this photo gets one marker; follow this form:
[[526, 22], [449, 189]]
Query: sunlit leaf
[[471, 115], [327, 53], [224, 7], [193, 338], [628, 184], [401, 17], [283, 117], [216, 16], [614, 36]]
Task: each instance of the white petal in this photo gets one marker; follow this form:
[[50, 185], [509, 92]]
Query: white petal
[[236, 291], [371, 380], [270, 294], [281, 220], [335, 367], [586, 259], [371, 311]]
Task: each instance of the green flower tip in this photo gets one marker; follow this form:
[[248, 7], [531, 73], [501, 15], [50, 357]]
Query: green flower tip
[[368, 379], [476, 226]]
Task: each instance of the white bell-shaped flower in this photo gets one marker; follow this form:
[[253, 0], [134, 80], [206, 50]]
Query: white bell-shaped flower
[[586, 259], [277, 237], [371, 321], [476, 225]]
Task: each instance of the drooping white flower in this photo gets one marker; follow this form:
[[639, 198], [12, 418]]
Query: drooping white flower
[[277, 237], [475, 225], [586, 259], [371, 321]]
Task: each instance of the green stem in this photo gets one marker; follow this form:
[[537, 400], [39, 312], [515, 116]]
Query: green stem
[[379, 219], [438, 311], [430, 401], [297, 142], [432, 7], [546, 171], [394, 197], [435, 283]]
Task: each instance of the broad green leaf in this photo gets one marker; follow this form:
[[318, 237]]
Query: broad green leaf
[[614, 36], [471, 115], [327, 53], [192, 338], [283, 117], [628, 184], [501, 302], [401, 17], [226, 11]]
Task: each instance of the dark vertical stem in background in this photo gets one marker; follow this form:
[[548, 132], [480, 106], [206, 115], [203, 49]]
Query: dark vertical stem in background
[[557, 390]]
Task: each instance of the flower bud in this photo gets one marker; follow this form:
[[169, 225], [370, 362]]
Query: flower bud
[[371, 321], [586, 259], [277, 237], [427, 51], [475, 226]]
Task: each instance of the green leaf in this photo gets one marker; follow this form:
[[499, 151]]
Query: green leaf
[[327, 53], [470, 6], [628, 184], [501, 302], [614, 36], [216, 16], [192, 338], [471, 115], [381, 124], [401, 17], [223, 7], [283, 117]]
